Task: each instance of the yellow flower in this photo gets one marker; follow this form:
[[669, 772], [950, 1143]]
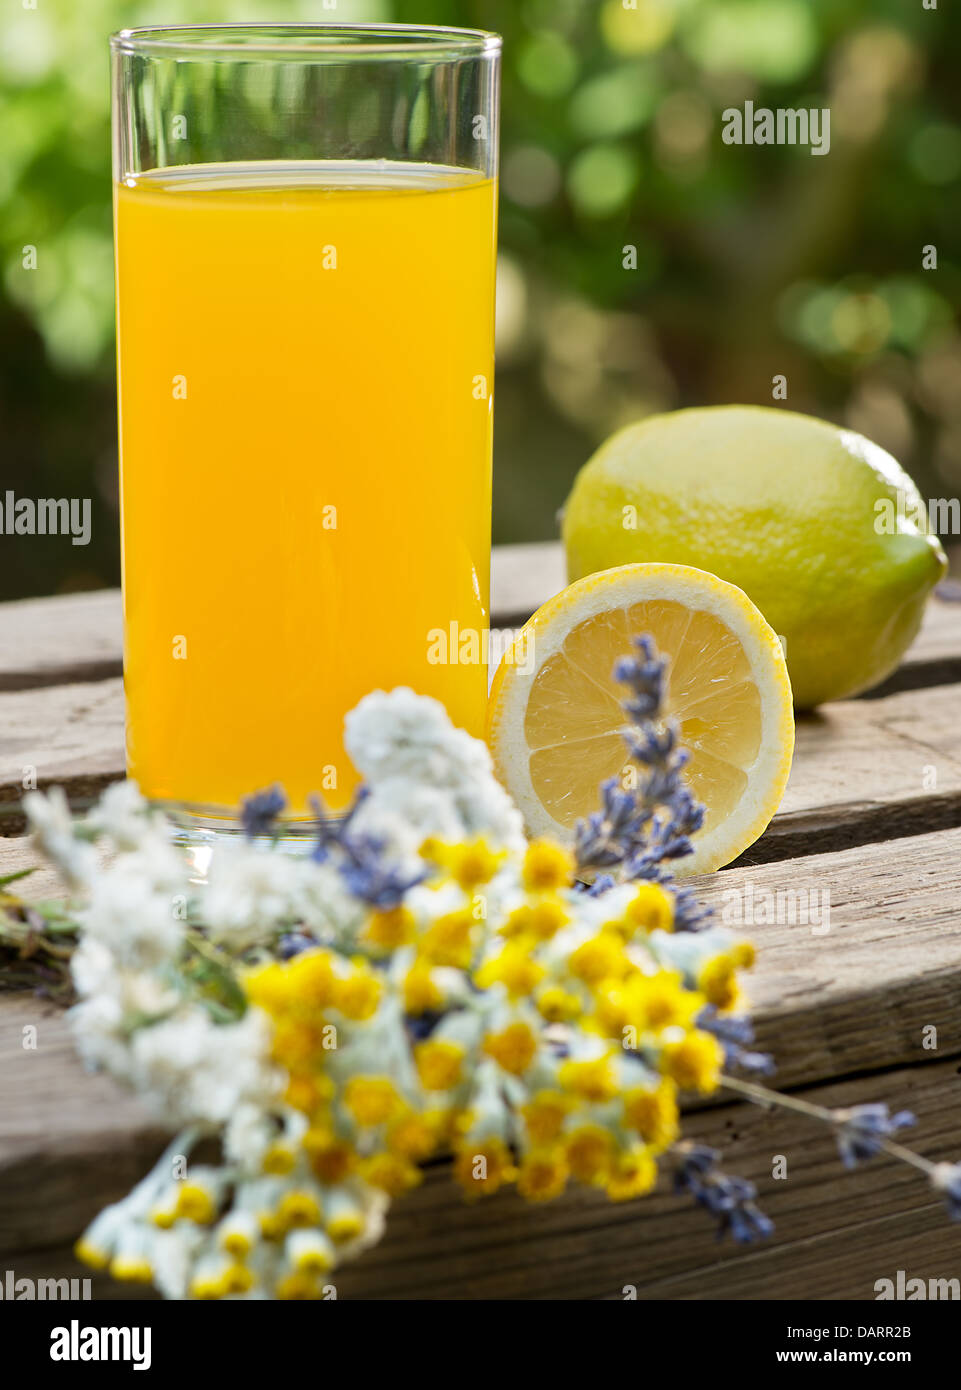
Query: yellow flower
[[280, 1158], [542, 1176], [236, 1278], [661, 1001], [296, 1043], [237, 1234], [206, 1286], [447, 941], [513, 1048], [196, 1202], [390, 927], [439, 1064], [359, 994], [695, 1062], [482, 1166], [268, 987], [298, 1207], [346, 1223], [652, 1112], [299, 1285], [540, 919], [589, 1150], [544, 1116], [421, 994], [308, 1092], [651, 909], [512, 967], [270, 1227], [415, 1135], [131, 1269], [633, 1173], [602, 957], [556, 1004], [547, 867], [469, 864], [592, 1081], [163, 1214], [94, 1256], [391, 1173], [372, 1100], [717, 981], [311, 981], [744, 954], [310, 1252], [615, 1007], [331, 1159]]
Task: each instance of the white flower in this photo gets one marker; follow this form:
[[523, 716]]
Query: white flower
[[92, 967], [688, 951], [324, 903], [174, 1253], [423, 770], [53, 833], [134, 915], [97, 1025], [248, 1136], [192, 1069], [251, 892], [122, 814]]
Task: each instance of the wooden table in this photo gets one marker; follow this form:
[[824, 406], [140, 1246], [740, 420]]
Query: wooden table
[[872, 815]]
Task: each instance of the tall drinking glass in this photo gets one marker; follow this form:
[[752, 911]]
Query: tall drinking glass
[[305, 224]]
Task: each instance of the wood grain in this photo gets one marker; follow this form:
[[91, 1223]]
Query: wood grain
[[836, 1233], [863, 770], [872, 819], [64, 735], [58, 641]]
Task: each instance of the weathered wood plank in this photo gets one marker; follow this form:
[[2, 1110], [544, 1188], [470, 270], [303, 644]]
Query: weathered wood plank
[[58, 641], [78, 637], [855, 996], [870, 770], [863, 770], [66, 735], [837, 1233]]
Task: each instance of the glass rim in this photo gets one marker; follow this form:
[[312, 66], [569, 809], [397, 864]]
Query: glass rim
[[280, 40]]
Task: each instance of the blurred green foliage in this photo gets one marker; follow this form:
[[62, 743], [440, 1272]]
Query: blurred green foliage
[[748, 261]]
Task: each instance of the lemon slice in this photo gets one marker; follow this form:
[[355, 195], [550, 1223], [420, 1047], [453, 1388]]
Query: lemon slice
[[556, 713]]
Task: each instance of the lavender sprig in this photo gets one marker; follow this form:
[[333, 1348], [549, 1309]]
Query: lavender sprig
[[860, 1129], [730, 1200], [638, 831], [735, 1033], [360, 857], [258, 813]]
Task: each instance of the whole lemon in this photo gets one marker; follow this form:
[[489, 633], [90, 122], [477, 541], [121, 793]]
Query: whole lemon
[[822, 529]]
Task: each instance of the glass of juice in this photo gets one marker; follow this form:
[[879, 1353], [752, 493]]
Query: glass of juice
[[305, 229]]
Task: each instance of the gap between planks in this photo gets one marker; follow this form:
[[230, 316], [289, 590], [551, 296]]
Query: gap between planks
[[864, 770]]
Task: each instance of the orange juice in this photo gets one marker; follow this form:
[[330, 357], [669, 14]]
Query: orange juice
[[305, 380]]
